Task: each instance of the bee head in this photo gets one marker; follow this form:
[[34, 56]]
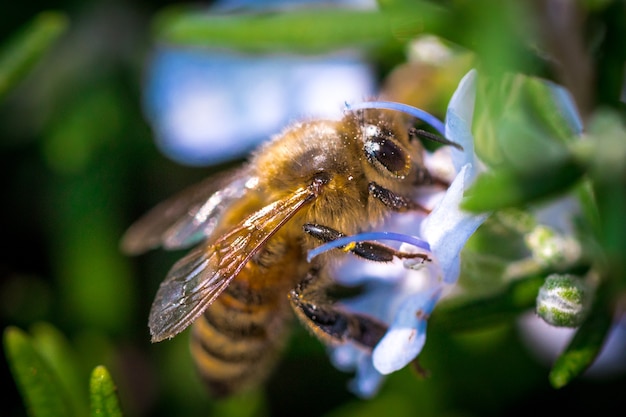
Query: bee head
[[388, 140]]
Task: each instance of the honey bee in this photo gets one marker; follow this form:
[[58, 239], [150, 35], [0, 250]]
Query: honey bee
[[315, 182]]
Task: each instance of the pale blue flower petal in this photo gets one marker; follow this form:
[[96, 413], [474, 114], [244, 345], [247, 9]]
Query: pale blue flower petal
[[367, 380], [462, 100], [348, 358], [459, 121], [447, 228], [210, 106], [355, 271], [406, 337], [375, 301]]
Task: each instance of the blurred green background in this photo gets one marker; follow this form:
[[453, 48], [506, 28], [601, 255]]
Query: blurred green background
[[79, 164]]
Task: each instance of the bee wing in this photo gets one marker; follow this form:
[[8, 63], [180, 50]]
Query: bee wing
[[195, 281], [189, 216]]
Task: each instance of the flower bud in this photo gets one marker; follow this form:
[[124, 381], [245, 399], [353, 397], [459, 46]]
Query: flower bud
[[563, 300], [550, 248]]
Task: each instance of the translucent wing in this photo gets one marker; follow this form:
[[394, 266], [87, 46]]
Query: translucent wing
[[195, 281], [189, 216]]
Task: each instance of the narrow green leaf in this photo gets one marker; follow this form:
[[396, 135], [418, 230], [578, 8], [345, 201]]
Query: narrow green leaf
[[310, 30], [24, 49], [607, 174], [104, 402], [520, 295], [502, 189], [588, 206], [586, 344], [43, 394], [548, 105], [56, 350]]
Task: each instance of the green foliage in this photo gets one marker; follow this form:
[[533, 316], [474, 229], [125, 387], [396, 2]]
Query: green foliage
[[25, 49], [42, 391], [505, 188], [56, 351], [551, 165], [500, 307], [311, 30], [104, 402], [47, 372]]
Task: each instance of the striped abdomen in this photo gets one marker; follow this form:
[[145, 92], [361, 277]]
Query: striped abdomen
[[236, 342]]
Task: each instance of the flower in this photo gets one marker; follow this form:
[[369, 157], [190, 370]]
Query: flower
[[404, 294], [196, 101]]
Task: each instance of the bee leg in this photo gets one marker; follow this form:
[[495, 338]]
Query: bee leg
[[368, 250], [331, 324], [394, 201]]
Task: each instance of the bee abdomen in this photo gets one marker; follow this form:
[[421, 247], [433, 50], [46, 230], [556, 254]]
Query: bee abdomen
[[235, 344]]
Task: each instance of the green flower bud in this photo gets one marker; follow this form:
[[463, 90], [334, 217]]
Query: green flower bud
[[563, 300], [550, 248]]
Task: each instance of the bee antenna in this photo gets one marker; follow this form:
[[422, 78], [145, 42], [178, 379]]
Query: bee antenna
[[435, 138], [404, 108]]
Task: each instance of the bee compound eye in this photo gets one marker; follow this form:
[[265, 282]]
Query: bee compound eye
[[386, 155]]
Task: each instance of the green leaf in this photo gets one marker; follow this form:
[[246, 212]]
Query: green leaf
[[520, 295], [547, 103], [607, 159], [589, 209], [25, 49], [311, 30], [56, 350], [38, 383], [508, 188], [104, 402]]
